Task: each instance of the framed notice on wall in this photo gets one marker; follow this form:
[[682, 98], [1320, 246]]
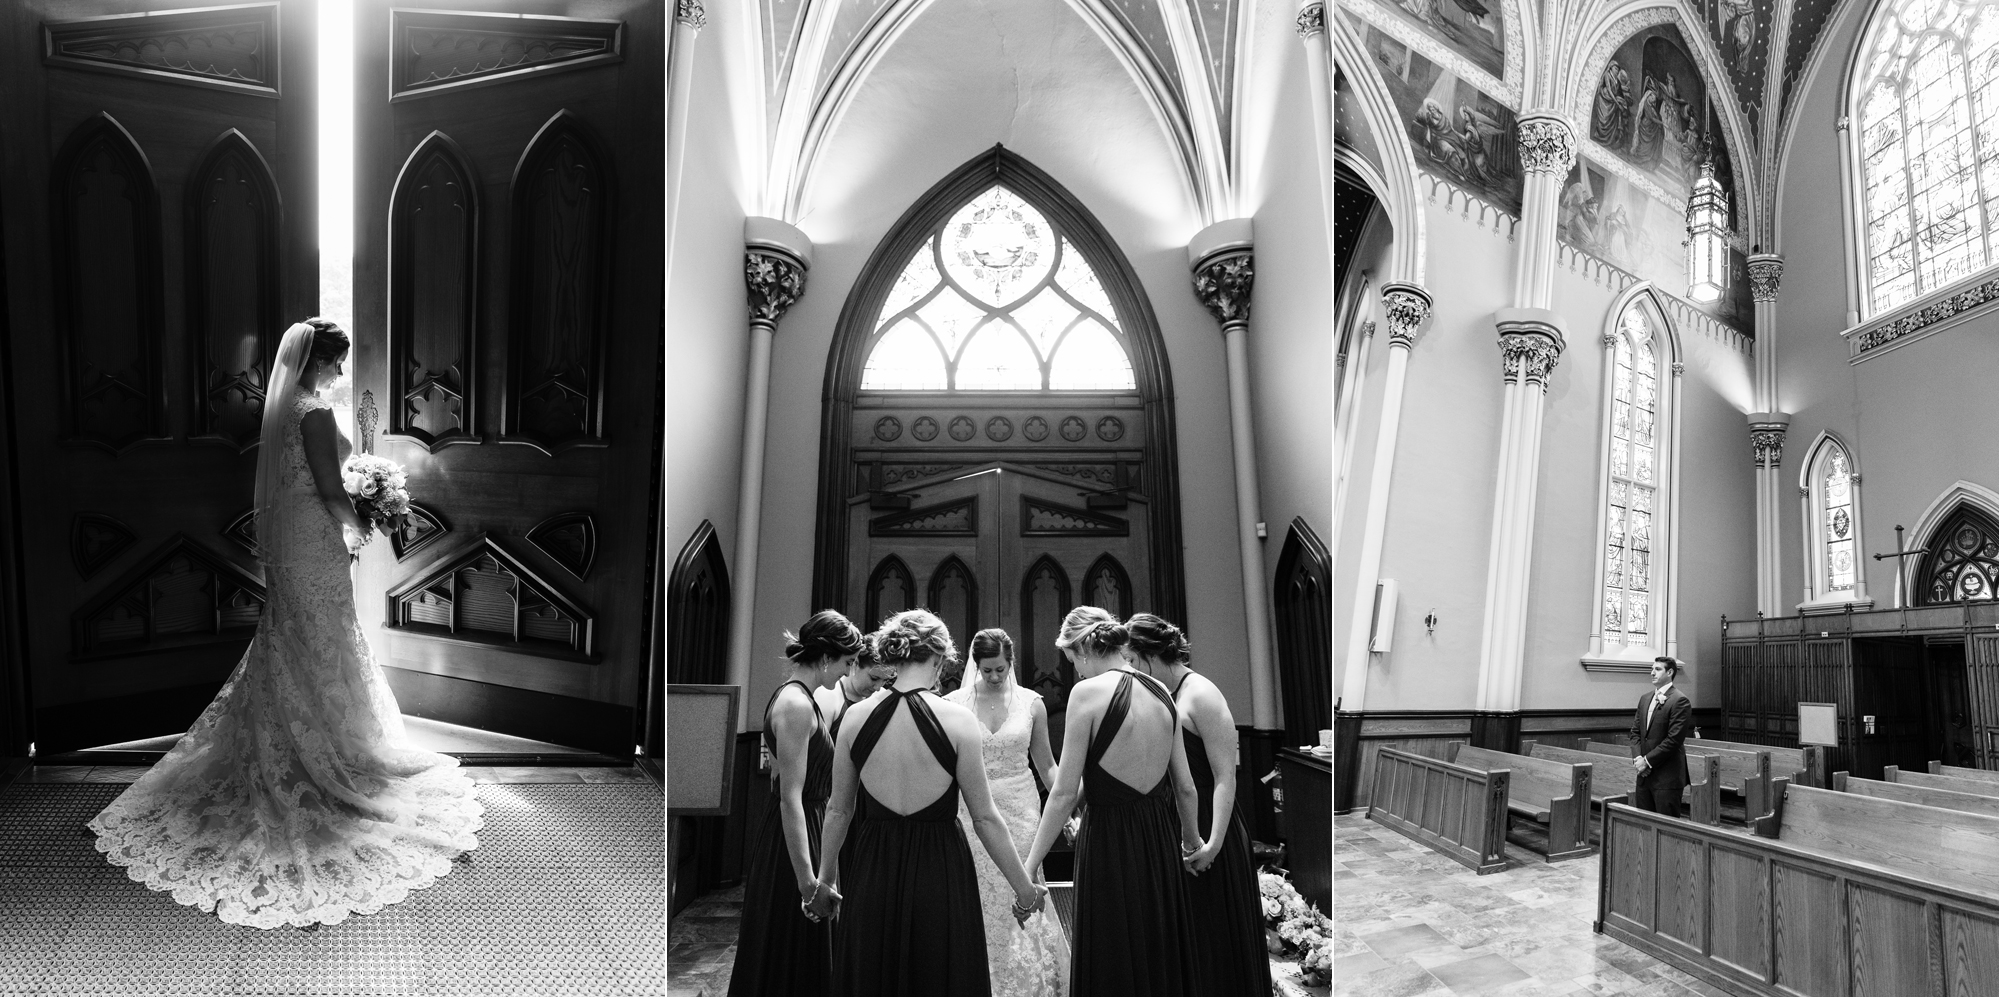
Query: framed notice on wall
[[1819, 723], [701, 748]]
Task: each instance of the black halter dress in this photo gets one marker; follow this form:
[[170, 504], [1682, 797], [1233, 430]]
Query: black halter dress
[[778, 952], [1228, 909], [910, 924], [1133, 933]]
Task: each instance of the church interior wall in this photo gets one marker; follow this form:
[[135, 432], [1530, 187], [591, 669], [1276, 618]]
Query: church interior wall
[[1918, 418], [1371, 257]]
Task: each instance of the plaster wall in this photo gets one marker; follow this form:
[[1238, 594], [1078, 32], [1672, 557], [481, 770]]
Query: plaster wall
[[1916, 419]]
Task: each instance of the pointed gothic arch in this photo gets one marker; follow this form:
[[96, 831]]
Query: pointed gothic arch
[[698, 611], [433, 296], [891, 589], [1303, 611], [233, 218], [1141, 459]]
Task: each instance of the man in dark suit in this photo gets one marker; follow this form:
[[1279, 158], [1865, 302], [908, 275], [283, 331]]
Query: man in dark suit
[[1659, 727]]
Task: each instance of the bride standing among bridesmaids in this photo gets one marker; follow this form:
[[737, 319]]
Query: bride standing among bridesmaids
[[782, 952], [1228, 910], [1014, 726], [1122, 756]]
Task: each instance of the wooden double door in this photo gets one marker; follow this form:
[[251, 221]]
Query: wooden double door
[[158, 205], [1005, 545]]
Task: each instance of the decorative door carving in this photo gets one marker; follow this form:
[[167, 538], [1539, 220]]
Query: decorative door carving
[[160, 159]]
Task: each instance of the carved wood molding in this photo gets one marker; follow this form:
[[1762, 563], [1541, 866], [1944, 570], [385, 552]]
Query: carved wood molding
[[233, 219], [439, 51], [891, 568], [484, 595], [227, 48], [1048, 519], [181, 594], [946, 519], [1107, 571], [433, 276], [96, 540], [569, 539], [242, 530], [424, 529]]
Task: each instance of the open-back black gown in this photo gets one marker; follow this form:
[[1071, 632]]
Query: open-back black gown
[[778, 952], [1133, 932], [910, 924], [1228, 908]]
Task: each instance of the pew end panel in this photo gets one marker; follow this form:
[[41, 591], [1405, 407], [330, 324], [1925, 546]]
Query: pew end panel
[[1458, 811], [1704, 794], [1549, 792]]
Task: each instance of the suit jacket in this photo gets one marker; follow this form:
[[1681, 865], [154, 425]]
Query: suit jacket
[[1661, 741]]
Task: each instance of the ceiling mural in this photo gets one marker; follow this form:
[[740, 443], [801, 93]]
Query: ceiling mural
[[1652, 109], [1808, 22], [1457, 131], [1741, 31], [1472, 28]]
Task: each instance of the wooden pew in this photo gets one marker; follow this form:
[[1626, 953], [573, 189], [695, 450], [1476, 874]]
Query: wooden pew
[[1908, 793], [1618, 780], [1963, 772], [1706, 778], [1552, 793], [1608, 748], [1802, 766], [1977, 787], [1855, 895], [1458, 811], [1745, 773]]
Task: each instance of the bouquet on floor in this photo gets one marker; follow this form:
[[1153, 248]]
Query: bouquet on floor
[[1295, 927], [379, 489]]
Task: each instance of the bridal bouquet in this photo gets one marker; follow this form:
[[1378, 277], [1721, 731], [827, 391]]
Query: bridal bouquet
[[378, 488]]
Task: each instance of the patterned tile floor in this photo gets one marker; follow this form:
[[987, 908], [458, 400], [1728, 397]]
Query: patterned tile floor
[[563, 896], [1409, 922]]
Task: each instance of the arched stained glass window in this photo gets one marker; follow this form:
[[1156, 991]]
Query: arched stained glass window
[[998, 299], [1831, 489], [1632, 616], [1927, 120]]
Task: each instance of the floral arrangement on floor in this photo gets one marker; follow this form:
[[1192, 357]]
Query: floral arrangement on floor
[[1297, 927]]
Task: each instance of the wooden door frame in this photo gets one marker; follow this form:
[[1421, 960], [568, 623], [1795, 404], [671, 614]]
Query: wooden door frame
[[848, 355], [15, 731], [1303, 548]]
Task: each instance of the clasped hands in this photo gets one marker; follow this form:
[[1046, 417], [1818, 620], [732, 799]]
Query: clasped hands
[[818, 901], [1038, 898], [1640, 763], [1196, 858]]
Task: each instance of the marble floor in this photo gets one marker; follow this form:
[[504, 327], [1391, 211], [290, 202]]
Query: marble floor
[[1409, 922]]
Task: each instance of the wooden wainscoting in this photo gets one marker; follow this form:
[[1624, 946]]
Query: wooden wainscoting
[[1757, 916]]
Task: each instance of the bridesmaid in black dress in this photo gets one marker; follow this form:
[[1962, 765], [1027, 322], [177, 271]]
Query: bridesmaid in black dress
[[910, 924], [780, 951], [1132, 932], [863, 677], [1228, 910]]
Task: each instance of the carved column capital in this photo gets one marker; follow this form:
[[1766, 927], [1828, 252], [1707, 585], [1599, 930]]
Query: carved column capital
[[1767, 438], [1766, 269], [690, 13], [1407, 307], [1223, 282], [1531, 343], [1548, 144], [1679, 368], [1312, 19], [775, 279]]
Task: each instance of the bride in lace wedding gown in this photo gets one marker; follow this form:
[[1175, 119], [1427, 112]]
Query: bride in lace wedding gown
[[293, 800], [1029, 959]]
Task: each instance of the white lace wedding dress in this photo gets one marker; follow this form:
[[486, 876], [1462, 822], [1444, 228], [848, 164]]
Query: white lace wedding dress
[[293, 800], [1029, 960]]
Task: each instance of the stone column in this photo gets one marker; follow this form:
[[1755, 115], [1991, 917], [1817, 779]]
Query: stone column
[[1220, 256], [1407, 307], [775, 259], [1767, 431], [1531, 343], [1319, 75]]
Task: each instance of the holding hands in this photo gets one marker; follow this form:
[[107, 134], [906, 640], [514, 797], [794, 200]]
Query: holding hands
[[1036, 899], [1197, 860], [819, 902]]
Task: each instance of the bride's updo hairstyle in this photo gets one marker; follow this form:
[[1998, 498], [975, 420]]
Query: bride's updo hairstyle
[[992, 642], [1090, 630], [827, 635], [1155, 638], [913, 637], [329, 340]]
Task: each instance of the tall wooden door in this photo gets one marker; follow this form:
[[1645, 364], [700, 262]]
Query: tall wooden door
[[1001, 545], [507, 328], [156, 181]]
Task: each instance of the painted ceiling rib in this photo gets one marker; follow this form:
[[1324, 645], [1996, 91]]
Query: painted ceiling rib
[[1203, 109], [1159, 91]]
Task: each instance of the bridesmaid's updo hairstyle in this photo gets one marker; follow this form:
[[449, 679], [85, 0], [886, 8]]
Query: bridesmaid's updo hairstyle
[[913, 637], [1156, 638], [1090, 630], [329, 341], [826, 635], [992, 642]]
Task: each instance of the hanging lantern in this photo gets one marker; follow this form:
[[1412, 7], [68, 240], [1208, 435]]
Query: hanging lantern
[[1708, 237]]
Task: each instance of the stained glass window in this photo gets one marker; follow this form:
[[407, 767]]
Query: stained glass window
[[1633, 511], [1837, 519], [1963, 560], [1929, 137], [998, 300]]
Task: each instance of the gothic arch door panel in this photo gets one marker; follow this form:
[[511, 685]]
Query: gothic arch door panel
[[1003, 545], [506, 311], [159, 234]]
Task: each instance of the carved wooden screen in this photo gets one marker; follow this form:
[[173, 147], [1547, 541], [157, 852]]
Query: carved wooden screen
[[1106, 586], [562, 208], [1044, 602], [486, 595], [1962, 560], [107, 254], [890, 591], [698, 612], [954, 596], [1304, 615], [433, 271], [159, 198], [232, 267]]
